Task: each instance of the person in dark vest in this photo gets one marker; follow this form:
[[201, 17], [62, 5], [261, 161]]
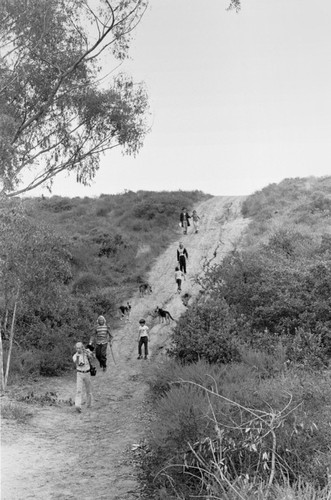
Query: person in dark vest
[[101, 337], [182, 255], [184, 220]]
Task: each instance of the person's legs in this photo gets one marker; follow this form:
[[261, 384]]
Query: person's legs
[[185, 226], [98, 353], [140, 343], [179, 285], [102, 355], [79, 388], [182, 263], [88, 388], [145, 339]]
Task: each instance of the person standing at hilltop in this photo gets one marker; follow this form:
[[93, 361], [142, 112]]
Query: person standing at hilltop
[[184, 220], [101, 337], [195, 219], [182, 255]]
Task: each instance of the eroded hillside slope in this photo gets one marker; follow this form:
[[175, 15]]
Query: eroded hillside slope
[[63, 455]]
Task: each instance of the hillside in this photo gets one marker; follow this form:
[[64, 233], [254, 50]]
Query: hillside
[[58, 449]]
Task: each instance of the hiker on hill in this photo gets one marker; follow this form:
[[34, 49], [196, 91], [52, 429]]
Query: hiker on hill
[[182, 255], [184, 220], [143, 339], [101, 337], [82, 359], [179, 277], [195, 219]]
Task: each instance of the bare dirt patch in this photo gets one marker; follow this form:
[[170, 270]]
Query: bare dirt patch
[[63, 455]]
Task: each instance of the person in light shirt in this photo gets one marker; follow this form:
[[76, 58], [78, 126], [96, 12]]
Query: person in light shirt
[[179, 277], [82, 358], [142, 339]]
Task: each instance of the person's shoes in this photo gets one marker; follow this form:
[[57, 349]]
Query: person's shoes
[[139, 357], [146, 357], [78, 409], [104, 369]]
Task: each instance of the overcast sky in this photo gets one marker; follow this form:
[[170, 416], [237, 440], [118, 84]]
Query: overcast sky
[[238, 101]]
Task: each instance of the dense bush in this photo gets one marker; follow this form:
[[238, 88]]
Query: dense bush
[[207, 331], [275, 288]]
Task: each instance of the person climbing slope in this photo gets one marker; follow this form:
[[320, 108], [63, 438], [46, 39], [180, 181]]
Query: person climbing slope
[[143, 339], [184, 220], [195, 219], [179, 277], [182, 255], [101, 337]]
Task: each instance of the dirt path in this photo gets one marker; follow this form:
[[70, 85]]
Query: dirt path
[[63, 455]]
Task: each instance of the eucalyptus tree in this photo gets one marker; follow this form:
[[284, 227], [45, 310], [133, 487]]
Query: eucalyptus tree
[[58, 112]]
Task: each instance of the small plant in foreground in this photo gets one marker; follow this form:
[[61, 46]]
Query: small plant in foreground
[[47, 399], [12, 411]]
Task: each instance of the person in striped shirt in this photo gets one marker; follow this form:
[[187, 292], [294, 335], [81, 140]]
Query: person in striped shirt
[[101, 337]]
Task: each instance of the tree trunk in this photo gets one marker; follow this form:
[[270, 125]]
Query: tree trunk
[[2, 382], [5, 323], [11, 339]]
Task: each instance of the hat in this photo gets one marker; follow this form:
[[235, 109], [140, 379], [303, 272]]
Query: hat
[[142, 321], [101, 318]]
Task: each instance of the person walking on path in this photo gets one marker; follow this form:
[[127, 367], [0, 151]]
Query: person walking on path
[[82, 359], [179, 277], [184, 220], [143, 339], [195, 219], [101, 337], [182, 255]]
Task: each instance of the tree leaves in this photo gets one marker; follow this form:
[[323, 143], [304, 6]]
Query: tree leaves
[[55, 113]]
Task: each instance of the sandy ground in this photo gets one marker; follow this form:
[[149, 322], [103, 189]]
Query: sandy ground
[[63, 455]]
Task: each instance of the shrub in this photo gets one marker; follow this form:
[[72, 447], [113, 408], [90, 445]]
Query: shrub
[[263, 363], [307, 350], [206, 331], [55, 361]]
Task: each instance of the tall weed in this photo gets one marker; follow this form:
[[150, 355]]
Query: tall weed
[[232, 420]]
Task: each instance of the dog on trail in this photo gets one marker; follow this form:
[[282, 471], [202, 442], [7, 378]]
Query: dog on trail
[[145, 288], [125, 311], [164, 316]]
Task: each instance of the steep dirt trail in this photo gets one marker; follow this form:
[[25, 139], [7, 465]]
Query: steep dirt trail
[[63, 455]]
